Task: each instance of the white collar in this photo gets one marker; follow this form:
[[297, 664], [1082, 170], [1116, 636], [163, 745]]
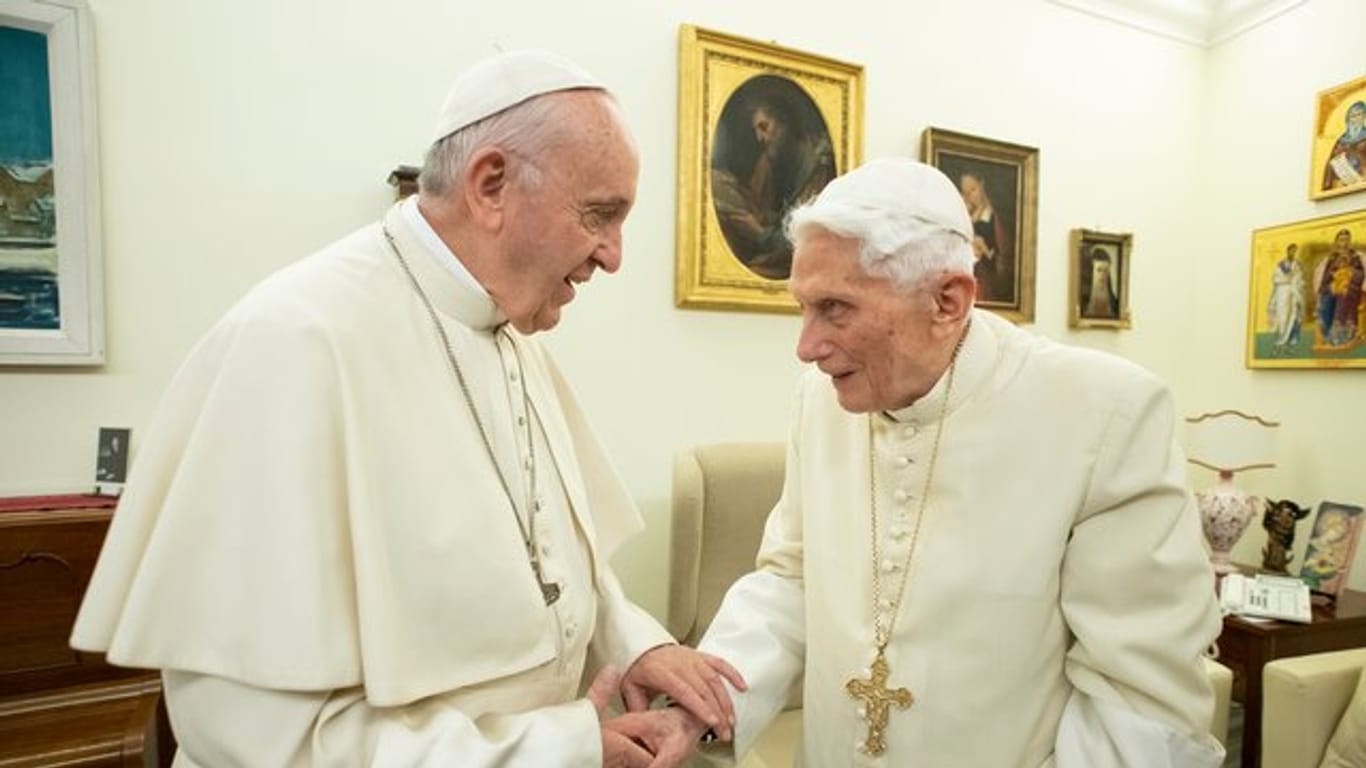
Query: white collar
[[435, 247]]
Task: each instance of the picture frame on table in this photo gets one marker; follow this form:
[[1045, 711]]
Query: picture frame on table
[[762, 128], [1332, 547]]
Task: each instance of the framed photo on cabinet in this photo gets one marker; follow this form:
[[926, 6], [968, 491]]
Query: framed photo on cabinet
[[999, 182], [761, 129], [1098, 289], [1338, 163]]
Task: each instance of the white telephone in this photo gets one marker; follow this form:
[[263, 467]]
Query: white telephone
[[1272, 597]]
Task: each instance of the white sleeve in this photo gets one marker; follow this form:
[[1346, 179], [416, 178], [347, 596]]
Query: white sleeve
[[761, 630], [1138, 596], [219, 722], [1095, 734], [624, 630]]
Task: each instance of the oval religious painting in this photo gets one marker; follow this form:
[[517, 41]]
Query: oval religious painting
[[772, 151]]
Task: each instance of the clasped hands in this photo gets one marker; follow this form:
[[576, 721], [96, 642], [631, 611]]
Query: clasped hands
[[663, 738]]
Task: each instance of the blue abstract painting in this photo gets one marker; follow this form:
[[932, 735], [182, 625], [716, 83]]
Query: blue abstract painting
[[28, 215]]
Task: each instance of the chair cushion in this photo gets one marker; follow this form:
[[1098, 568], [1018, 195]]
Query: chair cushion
[[1347, 747]]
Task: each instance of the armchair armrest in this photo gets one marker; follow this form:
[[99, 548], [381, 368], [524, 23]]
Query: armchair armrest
[[1303, 698]]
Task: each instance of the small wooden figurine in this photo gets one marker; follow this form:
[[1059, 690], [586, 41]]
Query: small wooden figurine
[[1279, 521]]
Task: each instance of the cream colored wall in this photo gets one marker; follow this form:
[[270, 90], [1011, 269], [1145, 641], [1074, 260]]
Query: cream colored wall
[[1255, 160], [237, 137]]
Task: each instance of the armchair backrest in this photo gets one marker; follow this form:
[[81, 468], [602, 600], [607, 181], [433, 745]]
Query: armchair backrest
[[722, 495]]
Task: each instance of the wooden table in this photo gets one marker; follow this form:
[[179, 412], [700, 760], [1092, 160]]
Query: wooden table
[[1246, 646]]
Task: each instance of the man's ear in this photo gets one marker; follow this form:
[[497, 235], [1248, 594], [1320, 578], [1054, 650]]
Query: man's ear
[[954, 297], [486, 185]]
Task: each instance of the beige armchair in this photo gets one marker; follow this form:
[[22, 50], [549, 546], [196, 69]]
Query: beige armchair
[[1303, 700], [722, 495]]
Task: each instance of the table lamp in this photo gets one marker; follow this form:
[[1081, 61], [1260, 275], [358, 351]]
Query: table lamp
[[1228, 442]]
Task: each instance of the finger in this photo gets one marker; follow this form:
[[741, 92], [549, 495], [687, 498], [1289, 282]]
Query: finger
[[620, 752], [636, 698], [604, 687], [691, 698], [730, 673], [726, 731]]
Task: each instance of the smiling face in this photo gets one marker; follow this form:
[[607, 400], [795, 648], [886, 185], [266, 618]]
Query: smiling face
[[874, 340], [564, 222]]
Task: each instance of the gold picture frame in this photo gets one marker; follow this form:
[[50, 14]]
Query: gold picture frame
[[1305, 304], [761, 128], [1337, 164], [999, 182], [1098, 287]]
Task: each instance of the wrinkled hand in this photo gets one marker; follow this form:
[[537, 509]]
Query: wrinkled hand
[[672, 734], [618, 750], [689, 677]]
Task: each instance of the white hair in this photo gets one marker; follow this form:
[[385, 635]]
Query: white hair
[[528, 129], [893, 244]]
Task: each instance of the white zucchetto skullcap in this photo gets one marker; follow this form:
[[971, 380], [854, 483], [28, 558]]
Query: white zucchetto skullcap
[[901, 185], [504, 81]]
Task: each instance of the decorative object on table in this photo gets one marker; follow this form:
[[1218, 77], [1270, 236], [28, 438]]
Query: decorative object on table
[[111, 461], [1305, 302], [404, 180], [761, 129], [1332, 545], [51, 286], [1338, 162], [999, 182], [1228, 442], [1279, 521], [1098, 291]]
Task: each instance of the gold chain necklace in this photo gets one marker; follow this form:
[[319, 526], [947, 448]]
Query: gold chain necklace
[[550, 591], [873, 692]]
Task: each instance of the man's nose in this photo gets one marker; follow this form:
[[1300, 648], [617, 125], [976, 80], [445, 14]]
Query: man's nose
[[608, 254], [811, 345]]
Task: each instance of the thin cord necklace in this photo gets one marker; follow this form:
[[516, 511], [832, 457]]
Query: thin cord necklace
[[876, 697], [550, 590]]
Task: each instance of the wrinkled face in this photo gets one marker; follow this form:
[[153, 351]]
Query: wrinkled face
[[565, 225], [870, 337]]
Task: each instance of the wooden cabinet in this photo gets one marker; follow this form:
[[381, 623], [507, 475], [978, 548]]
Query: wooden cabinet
[[59, 706]]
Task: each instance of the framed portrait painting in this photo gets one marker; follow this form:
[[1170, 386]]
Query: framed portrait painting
[[999, 182], [1305, 303], [1338, 162], [1098, 289], [51, 290], [761, 129]]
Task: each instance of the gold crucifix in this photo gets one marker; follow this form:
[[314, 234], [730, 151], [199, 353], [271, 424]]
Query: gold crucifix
[[876, 697]]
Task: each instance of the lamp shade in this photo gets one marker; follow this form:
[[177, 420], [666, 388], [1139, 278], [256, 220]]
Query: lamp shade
[[1231, 441]]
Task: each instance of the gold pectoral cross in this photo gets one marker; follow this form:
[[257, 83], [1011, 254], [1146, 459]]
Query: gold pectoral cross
[[876, 698]]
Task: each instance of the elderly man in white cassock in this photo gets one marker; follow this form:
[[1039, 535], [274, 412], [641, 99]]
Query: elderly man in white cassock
[[369, 524], [984, 554]]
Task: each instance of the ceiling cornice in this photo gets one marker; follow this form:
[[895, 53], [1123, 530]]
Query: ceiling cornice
[[1205, 23]]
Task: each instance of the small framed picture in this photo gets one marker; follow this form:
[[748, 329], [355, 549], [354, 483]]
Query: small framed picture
[[1098, 289], [111, 461], [1332, 546], [1338, 164]]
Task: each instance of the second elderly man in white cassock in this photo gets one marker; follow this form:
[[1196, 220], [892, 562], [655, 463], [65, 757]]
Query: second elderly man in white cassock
[[984, 555]]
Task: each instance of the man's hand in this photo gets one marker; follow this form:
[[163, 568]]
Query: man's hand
[[618, 750], [672, 734], [690, 678]]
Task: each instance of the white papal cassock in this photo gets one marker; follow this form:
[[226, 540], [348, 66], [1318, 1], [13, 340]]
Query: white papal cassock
[[1059, 596], [315, 548]]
